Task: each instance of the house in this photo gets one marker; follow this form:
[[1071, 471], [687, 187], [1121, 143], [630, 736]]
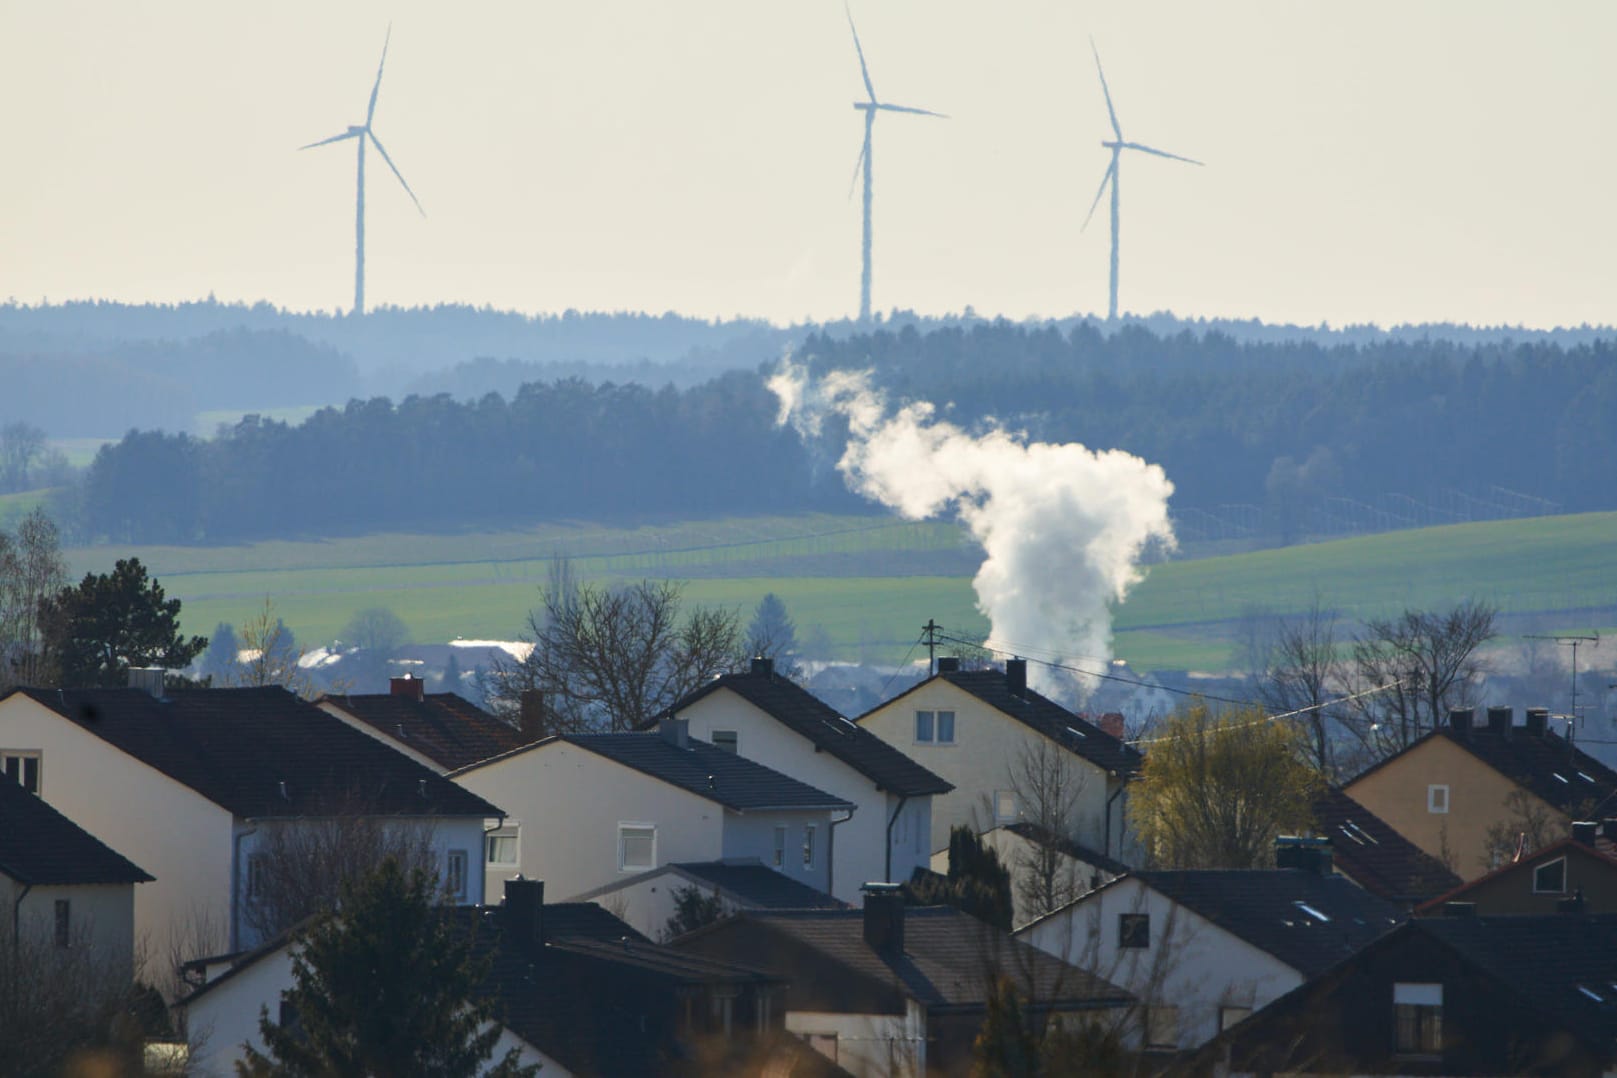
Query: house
[[1369, 852], [889, 990], [1464, 793], [1046, 870], [579, 992], [768, 718], [63, 890], [1446, 995], [1202, 949], [202, 785], [1575, 873], [599, 808], [440, 730], [981, 731], [648, 901]]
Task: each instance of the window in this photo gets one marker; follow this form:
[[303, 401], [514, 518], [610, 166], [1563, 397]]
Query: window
[[923, 725], [1162, 1027], [455, 874], [1418, 1012], [504, 847], [23, 768], [808, 846], [1550, 877], [637, 847], [1134, 930], [1229, 1016], [1004, 805], [780, 846], [288, 1015], [64, 922], [1437, 799], [725, 739], [946, 728]]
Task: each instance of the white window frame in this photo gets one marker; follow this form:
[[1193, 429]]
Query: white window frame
[[727, 740], [1561, 890], [20, 757], [1427, 999], [808, 846], [511, 830], [458, 888], [626, 826], [780, 846], [931, 729], [1001, 798], [937, 727], [1437, 799]]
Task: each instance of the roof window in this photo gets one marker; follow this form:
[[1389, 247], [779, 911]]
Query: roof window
[[1311, 911]]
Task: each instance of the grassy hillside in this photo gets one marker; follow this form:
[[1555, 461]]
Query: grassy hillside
[[871, 582]]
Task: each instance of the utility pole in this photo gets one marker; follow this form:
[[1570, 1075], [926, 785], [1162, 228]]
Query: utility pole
[[931, 630], [1572, 641]]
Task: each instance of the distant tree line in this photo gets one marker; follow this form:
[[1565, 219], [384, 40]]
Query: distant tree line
[[1277, 426]]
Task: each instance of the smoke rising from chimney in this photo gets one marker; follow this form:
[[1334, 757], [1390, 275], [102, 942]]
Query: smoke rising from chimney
[[1062, 526]]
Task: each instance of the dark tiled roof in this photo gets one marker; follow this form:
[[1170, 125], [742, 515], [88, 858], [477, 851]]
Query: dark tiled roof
[[1046, 716], [236, 747], [947, 956], [758, 885], [802, 712], [1373, 855], [733, 781], [443, 726], [40, 846], [1266, 908], [1032, 832]]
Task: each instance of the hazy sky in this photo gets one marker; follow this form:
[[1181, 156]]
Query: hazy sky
[[1380, 162]]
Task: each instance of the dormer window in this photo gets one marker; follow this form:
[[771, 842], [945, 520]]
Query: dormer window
[[725, 740], [1550, 877]]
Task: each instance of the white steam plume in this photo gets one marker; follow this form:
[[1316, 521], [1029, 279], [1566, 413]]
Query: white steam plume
[[1063, 526]]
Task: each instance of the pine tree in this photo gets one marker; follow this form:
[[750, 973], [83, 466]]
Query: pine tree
[[383, 986]]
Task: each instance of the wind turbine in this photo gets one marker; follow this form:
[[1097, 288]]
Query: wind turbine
[[870, 107], [1117, 146], [360, 133]]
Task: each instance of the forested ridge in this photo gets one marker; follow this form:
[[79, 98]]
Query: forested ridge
[[1281, 427]]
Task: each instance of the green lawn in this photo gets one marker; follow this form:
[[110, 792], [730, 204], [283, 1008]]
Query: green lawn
[[871, 582]]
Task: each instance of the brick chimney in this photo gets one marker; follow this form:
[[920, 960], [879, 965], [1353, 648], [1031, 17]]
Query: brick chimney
[[1585, 832], [531, 714], [1016, 676], [677, 732], [1307, 854], [884, 918], [525, 911], [1112, 723], [408, 686]]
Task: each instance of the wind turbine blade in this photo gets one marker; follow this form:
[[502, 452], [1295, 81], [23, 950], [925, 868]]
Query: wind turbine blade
[[853, 182], [863, 70], [1116, 127], [1160, 153], [370, 110], [379, 149], [329, 141], [906, 108], [1111, 174]]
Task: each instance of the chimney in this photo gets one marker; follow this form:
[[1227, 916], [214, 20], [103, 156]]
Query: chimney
[[1585, 832], [1573, 904], [1112, 723], [763, 666], [148, 679], [1304, 853], [1460, 719], [677, 732], [1538, 721], [408, 686], [531, 714], [884, 918], [1459, 909], [949, 664], [1499, 720], [525, 910], [1016, 676]]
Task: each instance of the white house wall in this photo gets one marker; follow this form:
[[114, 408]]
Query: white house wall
[[163, 826], [861, 849], [868, 1045], [570, 802], [101, 919], [752, 834], [1191, 963], [981, 761]]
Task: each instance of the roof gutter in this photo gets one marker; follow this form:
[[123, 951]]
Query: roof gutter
[[831, 851], [887, 869], [16, 918]]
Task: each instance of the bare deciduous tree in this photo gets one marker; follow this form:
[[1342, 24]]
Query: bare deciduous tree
[[611, 659], [32, 570], [1048, 787], [1304, 675], [272, 656], [20, 445]]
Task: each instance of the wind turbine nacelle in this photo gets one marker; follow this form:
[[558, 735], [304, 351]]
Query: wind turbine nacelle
[[353, 130]]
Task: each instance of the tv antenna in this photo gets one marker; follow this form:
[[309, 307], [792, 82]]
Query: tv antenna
[[1573, 641]]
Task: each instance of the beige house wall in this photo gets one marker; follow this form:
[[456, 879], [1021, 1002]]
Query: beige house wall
[[1398, 793]]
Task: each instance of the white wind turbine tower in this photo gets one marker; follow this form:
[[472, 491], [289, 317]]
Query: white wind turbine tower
[[360, 133], [1117, 146], [870, 107]]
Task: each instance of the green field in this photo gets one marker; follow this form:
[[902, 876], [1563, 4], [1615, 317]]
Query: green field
[[871, 582], [13, 507]]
